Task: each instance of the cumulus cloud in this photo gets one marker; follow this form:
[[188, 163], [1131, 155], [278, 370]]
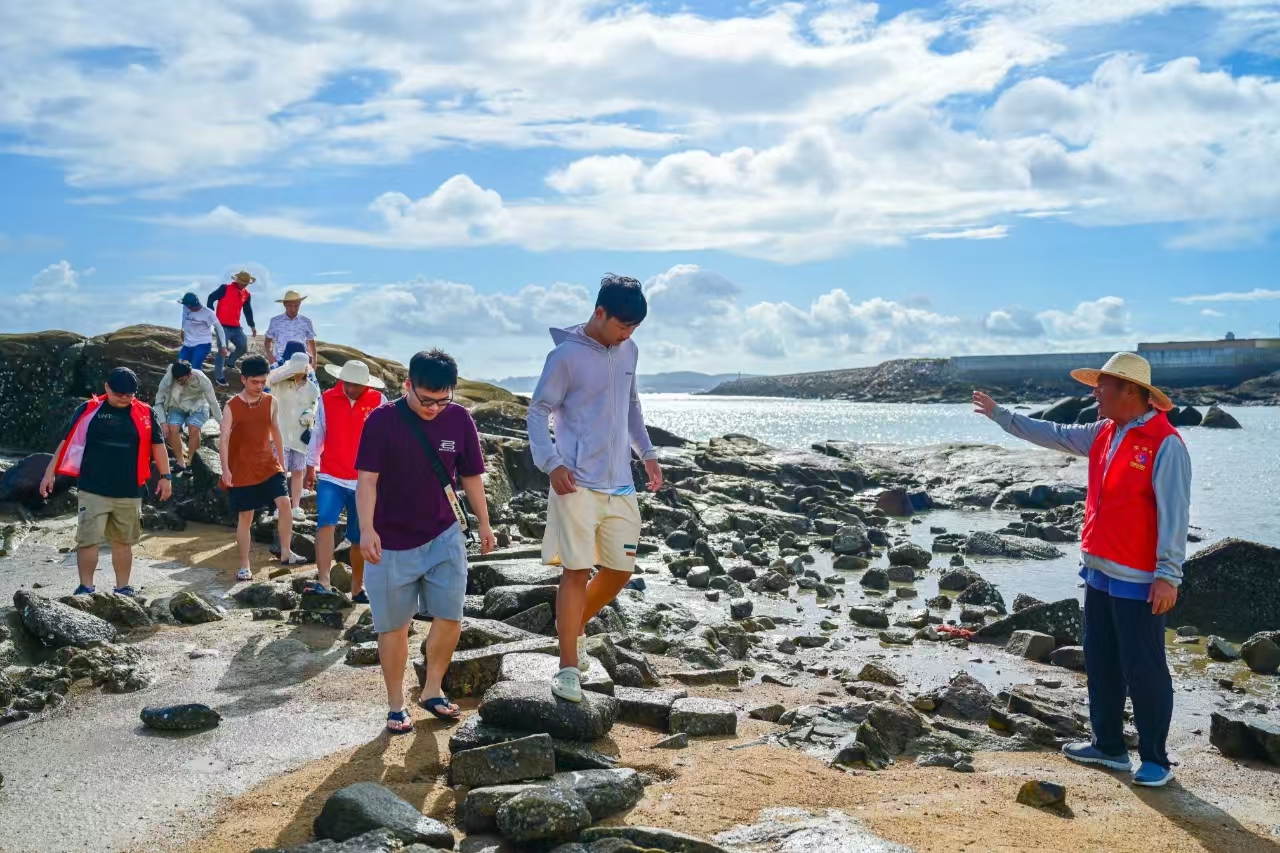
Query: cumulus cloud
[[1013, 323], [1104, 317]]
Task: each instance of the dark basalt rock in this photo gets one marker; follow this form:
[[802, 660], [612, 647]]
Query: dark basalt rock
[[366, 806], [55, 624], [1062, 620], [531, 707], [1231, 588], [180, 718]]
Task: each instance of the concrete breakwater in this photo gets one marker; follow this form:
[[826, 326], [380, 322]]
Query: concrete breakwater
[[1225, 369]]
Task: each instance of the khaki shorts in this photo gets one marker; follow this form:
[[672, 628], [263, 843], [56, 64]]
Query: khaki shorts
[[108, 519], [586, 529]]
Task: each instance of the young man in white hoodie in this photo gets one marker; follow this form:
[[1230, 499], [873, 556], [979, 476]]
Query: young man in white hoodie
[[593, 517]]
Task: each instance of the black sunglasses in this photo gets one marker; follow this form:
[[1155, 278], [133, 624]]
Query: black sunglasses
[[433, 402]]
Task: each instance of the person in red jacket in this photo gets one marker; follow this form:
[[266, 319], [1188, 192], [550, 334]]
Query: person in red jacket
[[1132, 547], [335, 439], [228, 302], [110, 444]]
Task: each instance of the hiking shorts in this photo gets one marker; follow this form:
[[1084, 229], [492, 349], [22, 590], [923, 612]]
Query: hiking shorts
[[177, 417], [431, 579], [331, 499], [294, 460], [587, 528], [258, 496], [108, 519]]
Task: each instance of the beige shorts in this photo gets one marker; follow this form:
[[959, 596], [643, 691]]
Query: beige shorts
[[108, 519], [586, 529]]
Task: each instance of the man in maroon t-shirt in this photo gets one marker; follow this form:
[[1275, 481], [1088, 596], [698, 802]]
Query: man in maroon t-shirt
[[413, 545]]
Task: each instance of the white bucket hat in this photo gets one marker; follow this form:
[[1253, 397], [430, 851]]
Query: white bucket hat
[[356, 372], [298, 364], [1132, 368]]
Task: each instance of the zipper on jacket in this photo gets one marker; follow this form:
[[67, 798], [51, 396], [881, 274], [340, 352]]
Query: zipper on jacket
[[613, 426]]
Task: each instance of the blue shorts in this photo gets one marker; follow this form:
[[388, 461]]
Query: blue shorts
[[431, 579], [330, 501], [177, 417], [195, 355]]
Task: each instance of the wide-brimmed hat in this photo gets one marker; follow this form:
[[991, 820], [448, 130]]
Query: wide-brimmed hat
[[1130, 367], [291, 296], [243, 277], [298, 364], [356, 372]]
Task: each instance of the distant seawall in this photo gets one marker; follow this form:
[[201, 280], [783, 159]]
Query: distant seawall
[[1174, 365]]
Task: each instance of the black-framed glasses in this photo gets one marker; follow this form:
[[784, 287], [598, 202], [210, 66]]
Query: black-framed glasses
[[433, 402]]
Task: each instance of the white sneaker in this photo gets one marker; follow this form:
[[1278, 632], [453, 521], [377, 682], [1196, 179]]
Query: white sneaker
[[299, 514], [244, 575], [567, 685], [584, 660]]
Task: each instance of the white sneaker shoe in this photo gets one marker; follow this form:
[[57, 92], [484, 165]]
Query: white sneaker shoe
[[567, 684], [584, 660], [299, 514], [244, 575]]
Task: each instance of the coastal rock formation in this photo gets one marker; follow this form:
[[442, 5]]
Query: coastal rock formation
[[367, 806], [55, 624], [1216, 418], [1231, 588]]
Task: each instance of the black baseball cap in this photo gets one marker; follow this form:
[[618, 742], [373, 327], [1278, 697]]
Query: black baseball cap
[[122, 380], [190, 300]]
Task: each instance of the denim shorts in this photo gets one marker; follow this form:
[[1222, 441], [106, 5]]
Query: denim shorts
[[431, 578], [331, 499], [177, 417]]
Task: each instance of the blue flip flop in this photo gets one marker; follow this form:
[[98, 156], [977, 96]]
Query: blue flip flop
[[398, 722], [433, 705]]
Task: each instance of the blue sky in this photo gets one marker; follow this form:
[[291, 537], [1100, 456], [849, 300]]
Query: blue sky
[[799, 185]]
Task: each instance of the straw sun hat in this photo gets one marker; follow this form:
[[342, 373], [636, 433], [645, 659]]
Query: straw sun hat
[[1131, 368], [291, 296], [355, 372], [243, 277]]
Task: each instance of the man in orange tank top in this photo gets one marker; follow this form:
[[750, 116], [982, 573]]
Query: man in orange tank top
[[251, 448], [1132, 547]]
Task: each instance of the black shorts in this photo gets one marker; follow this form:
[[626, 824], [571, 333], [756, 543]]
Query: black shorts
[[261, 496]]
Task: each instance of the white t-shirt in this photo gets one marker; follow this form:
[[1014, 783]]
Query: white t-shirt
[[201, 327]]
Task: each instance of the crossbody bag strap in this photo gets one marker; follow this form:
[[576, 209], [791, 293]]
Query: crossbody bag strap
[[437, 464]]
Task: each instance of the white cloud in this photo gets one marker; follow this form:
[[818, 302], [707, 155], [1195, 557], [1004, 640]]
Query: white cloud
[[1013, 323], [1258, 294], [1104, 317], [994, 232], [56, 279], [1210, 312]]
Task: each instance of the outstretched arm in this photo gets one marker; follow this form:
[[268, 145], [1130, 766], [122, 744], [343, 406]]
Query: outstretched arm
[[1075, 439]]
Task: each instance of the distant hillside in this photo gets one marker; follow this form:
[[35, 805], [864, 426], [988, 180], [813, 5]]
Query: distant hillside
[[908, 380], [677, 382]]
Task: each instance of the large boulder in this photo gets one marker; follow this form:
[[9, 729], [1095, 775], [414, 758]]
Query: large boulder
[[21, 482], [483, 577], [909, 554], [1216, 418], [982, 593], [1062, 620], [55, 624], [123, 611], [499, 764], [474, 671], [547, 813], [366, 806], [1261, 652], [1064, 411], [699, 717], [648, 838], [987, 544], [531, 707], [1231, 588], [965, 698], [1245, 736]]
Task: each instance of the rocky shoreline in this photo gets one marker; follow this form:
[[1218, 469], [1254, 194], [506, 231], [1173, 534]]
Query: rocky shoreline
[[762, 570]]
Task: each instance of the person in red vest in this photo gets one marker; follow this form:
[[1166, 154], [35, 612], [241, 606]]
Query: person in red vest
[[1132, 548], [335, 439], [229, 301], [110, 444]]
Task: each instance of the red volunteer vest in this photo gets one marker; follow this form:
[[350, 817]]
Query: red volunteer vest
[[343, 423], [73, 448], [1126, 533], [231, 303]]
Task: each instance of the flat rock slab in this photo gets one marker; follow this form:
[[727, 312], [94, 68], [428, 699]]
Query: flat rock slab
[[485, 576], [478, 810], [652, 838], [702, 677], [478, 633], [540, 667], [474, 671], [55, 624], [530, 757], [1238, 736], [365, 806], [531, 707], [502, 602], [643, 707], [702, 717], [570, 755]]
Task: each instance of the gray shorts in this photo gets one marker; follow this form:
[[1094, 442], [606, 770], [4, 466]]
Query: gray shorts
[[294, 460], [431, 579]]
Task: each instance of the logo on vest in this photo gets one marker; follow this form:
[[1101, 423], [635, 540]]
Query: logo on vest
[[1141, 456]]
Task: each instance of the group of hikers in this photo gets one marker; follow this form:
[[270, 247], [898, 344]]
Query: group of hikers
[[394, 468]]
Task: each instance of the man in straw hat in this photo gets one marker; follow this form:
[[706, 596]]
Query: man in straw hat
[[335, 440], [1132, 547], [229, 301], [290, 326]]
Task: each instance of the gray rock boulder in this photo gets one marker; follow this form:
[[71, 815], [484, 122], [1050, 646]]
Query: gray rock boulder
[[958, 579], [1231, 588], [648, 838], [366, 806], [512, 761], [123, 611], [909, 554], [548, 813], [1250, 737], [1261, 652], [965, 698], [982, 593], [646, 707], [503, 602], [605, 792], [190, 609], [1221, 650], [871, 617], [901, 574], [874, 579], [531, 707], [1062, 620], [702, 717], [851, 539], [477, 812], [55, 624], [483, 577], [1068, 657], [1031, 645], [1216, 418]]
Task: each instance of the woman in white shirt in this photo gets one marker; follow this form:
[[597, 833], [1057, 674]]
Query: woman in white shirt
[[297, 394]]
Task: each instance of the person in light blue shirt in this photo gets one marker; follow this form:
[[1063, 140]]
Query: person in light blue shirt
[[1129, 589], [588, 385]]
